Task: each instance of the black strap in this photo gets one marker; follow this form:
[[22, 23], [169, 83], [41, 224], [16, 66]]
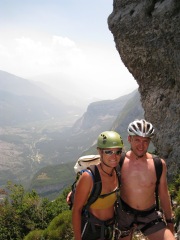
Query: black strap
[[97, 185], [123, 154], [119, 166], [97, 180], [152, 223], [96, 191], [158, 168]]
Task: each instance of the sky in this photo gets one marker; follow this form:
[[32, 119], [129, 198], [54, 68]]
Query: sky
[[63, 43]]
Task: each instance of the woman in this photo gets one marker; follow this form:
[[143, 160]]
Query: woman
[[97, 222]]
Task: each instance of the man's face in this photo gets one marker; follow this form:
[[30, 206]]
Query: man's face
[[139, 145]]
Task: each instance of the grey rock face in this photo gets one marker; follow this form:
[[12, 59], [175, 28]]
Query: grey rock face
[[147, 37]]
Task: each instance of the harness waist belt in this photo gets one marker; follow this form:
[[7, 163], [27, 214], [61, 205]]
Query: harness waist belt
[[96, 221], [131, 210]]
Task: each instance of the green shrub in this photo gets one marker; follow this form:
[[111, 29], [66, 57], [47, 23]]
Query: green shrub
[[60, 228], [35, 235]]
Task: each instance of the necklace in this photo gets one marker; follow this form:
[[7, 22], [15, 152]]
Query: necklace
[[138, 157], [109, 174]]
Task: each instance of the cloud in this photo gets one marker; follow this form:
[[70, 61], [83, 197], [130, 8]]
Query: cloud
[[52, 43], [28, 57], [90, 66]]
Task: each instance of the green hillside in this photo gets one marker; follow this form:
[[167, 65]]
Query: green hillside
[[50, 181]]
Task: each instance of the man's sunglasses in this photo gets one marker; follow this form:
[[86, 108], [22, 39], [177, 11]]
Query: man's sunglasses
[[110, 152]]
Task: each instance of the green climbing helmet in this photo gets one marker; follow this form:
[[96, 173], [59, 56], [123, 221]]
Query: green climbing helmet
[[109, 139]]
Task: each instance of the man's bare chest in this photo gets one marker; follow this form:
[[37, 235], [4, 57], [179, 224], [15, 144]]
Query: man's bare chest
[[138, 174]]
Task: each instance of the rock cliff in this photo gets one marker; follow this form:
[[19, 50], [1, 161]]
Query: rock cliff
[[147, 37]]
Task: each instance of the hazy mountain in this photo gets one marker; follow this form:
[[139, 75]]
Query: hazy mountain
[[37, 131], [81, 139], [22, 87], [68, 144], [22, 101], [102, 113], [131, 111], [67, 89]]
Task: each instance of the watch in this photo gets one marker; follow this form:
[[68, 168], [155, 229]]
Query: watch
[[170, 220]]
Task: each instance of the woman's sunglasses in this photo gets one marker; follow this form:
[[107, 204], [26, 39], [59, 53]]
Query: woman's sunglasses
[[110, 152]]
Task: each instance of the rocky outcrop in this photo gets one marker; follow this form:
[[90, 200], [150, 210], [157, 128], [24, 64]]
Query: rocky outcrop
[[147, 37], [102, 113]]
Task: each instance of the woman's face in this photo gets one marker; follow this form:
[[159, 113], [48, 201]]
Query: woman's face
[[110, 156]]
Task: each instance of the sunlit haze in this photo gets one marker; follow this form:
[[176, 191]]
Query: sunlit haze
[[63, 42]]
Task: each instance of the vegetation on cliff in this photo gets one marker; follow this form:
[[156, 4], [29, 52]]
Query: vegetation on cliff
[[25, 215]]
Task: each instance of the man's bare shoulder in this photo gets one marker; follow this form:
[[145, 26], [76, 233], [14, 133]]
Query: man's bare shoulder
[[127, 154], [149, 155]]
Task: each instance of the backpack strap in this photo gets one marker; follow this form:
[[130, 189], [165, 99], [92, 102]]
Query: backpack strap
[[97, 187], [158, 168], [123, 154], [96, 191], [119, 166]]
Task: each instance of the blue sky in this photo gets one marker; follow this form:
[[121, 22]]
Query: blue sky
[[47, 39]]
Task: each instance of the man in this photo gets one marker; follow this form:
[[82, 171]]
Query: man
[[137, 209]]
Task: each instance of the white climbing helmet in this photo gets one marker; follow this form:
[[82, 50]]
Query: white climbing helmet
[[141, 128]]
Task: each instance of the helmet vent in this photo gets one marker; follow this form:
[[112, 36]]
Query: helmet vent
[[141, 128], [104, 138]]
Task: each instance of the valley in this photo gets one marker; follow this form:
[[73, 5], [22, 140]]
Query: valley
[[41, 138]]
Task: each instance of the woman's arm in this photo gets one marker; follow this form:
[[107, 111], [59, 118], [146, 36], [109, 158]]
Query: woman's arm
[[82, 193]]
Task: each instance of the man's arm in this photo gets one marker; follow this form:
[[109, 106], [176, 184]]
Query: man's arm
[[165, 200]]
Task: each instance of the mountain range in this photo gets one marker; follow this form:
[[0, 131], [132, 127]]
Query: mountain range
[[23, 102]]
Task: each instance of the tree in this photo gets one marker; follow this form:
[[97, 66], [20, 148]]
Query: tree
[[22, 212]]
